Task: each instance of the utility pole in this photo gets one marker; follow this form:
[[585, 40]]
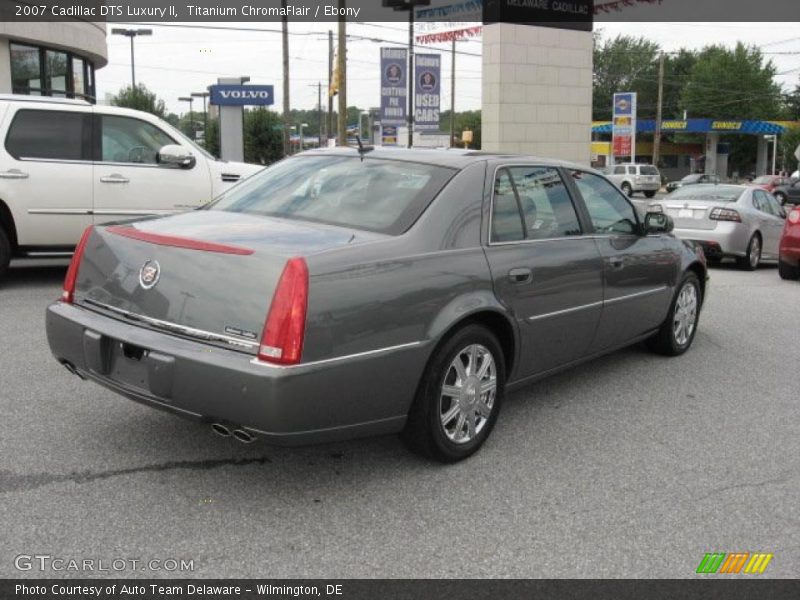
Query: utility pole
[[319, 107], [411, 75], [285, 32], [329, 128], [453, 95], [341, 72], [657, 135]]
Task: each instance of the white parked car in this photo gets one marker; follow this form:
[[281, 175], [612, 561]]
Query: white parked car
[[67, 164], [632, 178]]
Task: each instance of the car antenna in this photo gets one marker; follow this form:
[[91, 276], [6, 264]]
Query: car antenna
[[362, 150]]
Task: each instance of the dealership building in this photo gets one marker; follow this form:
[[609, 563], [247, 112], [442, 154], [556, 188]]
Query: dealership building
[[51, 59]]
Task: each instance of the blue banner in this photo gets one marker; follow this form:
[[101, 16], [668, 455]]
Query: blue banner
[[242, 95], [427, 91], [393, 86]]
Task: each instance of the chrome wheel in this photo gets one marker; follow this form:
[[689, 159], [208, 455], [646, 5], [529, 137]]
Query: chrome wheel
[[468, 393], [685, 317], [755, 251]]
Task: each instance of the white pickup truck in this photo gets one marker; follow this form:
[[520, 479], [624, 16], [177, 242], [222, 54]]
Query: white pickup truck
[[67, 164]]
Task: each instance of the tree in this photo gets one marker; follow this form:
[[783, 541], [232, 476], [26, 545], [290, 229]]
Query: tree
[[140, 98], [263, 136], [792, 105], [625, 64], [733, 84]]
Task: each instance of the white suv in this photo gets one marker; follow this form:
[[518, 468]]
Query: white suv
[[67, 164], [632, 178]]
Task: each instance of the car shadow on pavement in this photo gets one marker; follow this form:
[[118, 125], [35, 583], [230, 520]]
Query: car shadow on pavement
[[33, 277]]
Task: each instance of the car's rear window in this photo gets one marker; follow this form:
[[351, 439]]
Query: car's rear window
[[385, 196], [709, 193], [648, 170]]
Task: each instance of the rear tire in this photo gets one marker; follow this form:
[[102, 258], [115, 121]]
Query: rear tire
[[627, 189], [787, 271], [678, 330], [452, 416], [752, 259], [5, 253], [650, 194]]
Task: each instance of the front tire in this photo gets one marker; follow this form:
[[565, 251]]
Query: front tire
[[677, 332], [5, 253], [459, 397], [787, 271], [752, 259]]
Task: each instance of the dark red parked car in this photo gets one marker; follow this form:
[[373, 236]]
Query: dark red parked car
[[789, 252], [770, 182]]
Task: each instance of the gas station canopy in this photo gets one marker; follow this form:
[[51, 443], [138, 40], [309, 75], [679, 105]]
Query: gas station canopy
[[700, 126]]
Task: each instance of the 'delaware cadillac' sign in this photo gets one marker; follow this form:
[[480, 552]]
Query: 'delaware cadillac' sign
[[242, 95]]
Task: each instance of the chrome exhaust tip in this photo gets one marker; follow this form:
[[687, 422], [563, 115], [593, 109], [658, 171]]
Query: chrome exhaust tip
[[244, 436], [220, 430]]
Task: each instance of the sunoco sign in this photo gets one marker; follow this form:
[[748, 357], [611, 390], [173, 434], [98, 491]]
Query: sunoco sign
[[242, 95]]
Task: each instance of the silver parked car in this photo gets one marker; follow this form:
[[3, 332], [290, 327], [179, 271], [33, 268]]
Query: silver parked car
[[727, 221], [342, 293], [632, 178]]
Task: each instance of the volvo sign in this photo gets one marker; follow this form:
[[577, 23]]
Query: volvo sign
[[242, 95]]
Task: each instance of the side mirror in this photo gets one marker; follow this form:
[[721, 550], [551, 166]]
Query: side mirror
[[173, 155], [655, 222]]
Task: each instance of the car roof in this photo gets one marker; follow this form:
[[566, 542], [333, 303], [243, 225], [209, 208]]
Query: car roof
[[42, 99], [717, 186], [454, 158]]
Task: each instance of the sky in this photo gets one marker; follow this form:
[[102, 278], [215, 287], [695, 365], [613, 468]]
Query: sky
[[176, 61]]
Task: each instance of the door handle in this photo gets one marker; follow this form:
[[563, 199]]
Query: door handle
[[115, 178], [615, 262], [520, 275], [13, 174]]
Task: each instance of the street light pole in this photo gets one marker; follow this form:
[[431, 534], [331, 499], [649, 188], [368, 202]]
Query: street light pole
[[132, 33], [190, 100], [203, 95], [409, 5]]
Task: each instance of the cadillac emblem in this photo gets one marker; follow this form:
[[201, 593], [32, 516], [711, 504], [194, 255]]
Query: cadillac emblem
[[149, 274]]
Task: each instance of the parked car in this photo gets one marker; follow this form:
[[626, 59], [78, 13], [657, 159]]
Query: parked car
[[736, 221], [341, 294], [788, 193], [789, 261], [66, 164], [771, 182], [692, 179], [632, 178]]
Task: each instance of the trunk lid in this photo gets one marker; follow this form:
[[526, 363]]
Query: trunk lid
[[207, 275], [694, 214]]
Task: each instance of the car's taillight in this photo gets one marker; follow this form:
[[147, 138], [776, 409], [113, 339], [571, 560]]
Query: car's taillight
[[794, 216], [68, 295], [725, 214], [282, 339]]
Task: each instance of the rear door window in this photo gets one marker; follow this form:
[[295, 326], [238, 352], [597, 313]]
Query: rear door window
[[51, 135]]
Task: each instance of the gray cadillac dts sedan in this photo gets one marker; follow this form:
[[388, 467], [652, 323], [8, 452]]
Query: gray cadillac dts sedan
[[344, 293]]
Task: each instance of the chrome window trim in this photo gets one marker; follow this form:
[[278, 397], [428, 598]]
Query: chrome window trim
[[525, 240], [336, 359]]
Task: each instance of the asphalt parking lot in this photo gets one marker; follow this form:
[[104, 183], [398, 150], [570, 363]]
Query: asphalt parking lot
[[633, 465]]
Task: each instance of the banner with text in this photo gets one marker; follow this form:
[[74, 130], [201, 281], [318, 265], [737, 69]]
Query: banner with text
[[427, 91], [393, 86]]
